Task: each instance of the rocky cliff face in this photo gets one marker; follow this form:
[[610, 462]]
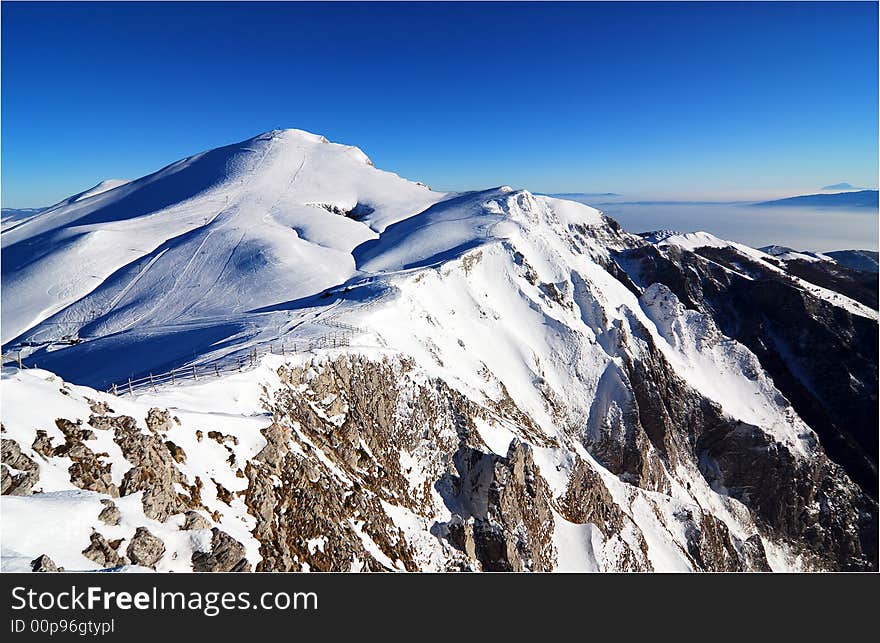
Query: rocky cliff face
[[822, 357]]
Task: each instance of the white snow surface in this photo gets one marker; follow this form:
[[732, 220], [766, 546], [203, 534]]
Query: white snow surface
[[221, 232]]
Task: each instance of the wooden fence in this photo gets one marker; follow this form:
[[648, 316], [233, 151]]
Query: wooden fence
[[340, 336], [234, 363]]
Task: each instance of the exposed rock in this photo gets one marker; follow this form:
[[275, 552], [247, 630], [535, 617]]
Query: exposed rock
[[503, 511], [587, 500], [18, 473], [102, 422], [711, 548], [99, 408], [154, 470], [752, 551], [43, 444], [220, 438], [110, 513], [822, 358], [43, 563], [360, 417], [176, 452], [88, 470], [158, 421], [194, 520], [810, 503], [226, 555], [102, 552], [145, 549], [223, 494]]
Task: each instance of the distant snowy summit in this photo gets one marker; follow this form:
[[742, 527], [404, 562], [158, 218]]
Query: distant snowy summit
[[841, 186]]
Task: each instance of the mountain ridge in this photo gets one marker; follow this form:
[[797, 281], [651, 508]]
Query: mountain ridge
[[860, 198]]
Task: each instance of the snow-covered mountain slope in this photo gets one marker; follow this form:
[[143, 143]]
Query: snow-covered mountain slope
[[217, 233], [522, 385]]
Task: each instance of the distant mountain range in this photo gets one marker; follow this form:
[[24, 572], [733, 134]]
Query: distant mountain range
[[860, 199], [864, 260], [579, 195], [8, 216]]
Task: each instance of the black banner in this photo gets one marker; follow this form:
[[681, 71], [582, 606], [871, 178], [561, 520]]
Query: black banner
[[121, 606]]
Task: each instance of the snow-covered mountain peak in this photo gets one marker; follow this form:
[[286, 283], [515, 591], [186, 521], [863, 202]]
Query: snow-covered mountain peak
[[275, 215]]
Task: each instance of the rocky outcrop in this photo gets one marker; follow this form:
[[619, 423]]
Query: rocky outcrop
[[711, 547], [102, 552], [810, 503], [822, 358], [110, 513], [226, 555], [44, 564], [154, 470], [145, 549], [335, 445], [193, 520], [501, 513], [88, 469], [158, 421], [588, 501], [18, 473], [686, 429]]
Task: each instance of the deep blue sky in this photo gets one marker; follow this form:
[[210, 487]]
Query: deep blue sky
[[667, 101]]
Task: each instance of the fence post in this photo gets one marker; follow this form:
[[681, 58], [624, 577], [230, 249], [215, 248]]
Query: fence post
[[152, 383], [130, 389], [172, 377], [282, 349], [216, 371], [195, 375], [114, 390], [239, 363], [19, 360]]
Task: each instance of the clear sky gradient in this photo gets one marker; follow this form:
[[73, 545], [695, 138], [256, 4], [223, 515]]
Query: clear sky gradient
[[691, 100]]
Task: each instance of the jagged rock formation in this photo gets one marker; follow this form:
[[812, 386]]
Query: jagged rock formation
[[110, 513], [102, 552], [43, 563], [144, 548], [154, 471], [19, 472], [501, 512], [226, 555]]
